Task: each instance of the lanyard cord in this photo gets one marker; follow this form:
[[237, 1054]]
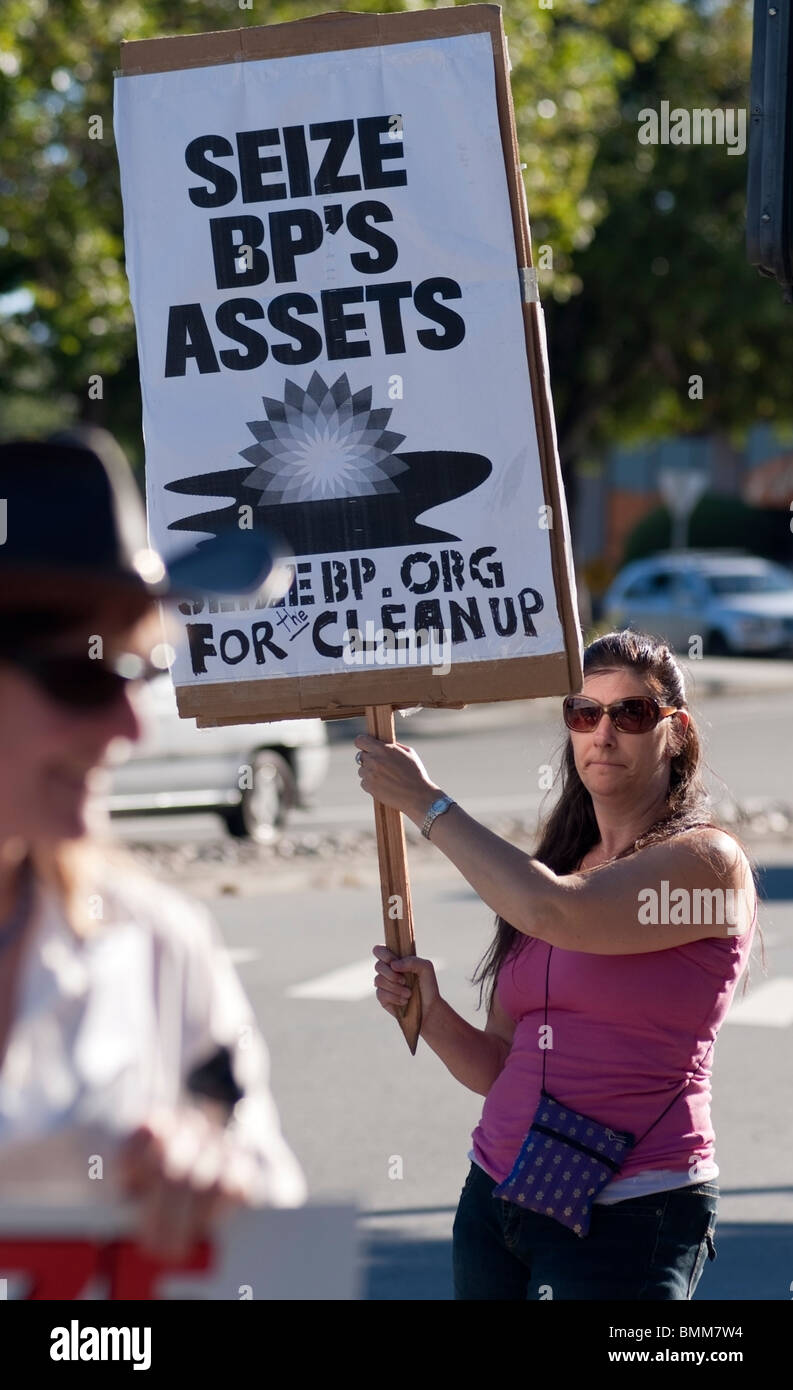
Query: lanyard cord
[[674, 1097]]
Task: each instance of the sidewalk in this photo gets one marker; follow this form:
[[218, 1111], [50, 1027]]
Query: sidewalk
[[719, 675], [712, 676]]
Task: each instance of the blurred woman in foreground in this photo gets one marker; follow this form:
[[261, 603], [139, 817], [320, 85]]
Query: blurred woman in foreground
[[124, 1031]]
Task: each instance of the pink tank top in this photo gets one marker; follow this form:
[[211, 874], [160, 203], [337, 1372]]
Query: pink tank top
[[627, 1030]]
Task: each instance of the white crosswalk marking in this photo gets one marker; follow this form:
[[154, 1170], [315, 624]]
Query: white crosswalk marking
[[349, 982], [242, 955], [768, 1006]]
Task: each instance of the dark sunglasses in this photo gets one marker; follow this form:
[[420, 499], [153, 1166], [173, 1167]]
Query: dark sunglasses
[[636, 714], [80, 681]]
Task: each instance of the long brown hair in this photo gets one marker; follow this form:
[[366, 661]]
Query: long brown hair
[[571, 829]]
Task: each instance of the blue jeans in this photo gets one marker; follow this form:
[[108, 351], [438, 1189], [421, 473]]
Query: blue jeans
[[650, 1247]]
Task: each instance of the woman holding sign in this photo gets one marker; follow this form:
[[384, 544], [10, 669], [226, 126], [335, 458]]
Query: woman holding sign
[[617, 951], [128, 1051]]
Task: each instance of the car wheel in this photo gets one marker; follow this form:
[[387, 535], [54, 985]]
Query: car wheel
[[716, 644], [265, 806]]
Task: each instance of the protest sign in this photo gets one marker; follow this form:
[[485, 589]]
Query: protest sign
[[341, 340], [325, 228], [54, 1252]]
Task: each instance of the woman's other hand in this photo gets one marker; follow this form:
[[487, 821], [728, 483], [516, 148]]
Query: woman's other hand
[[392, 983]]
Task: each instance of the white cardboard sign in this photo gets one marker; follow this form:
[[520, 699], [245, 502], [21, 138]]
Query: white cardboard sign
[[330, 328]]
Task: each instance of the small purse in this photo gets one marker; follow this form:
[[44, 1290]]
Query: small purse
[[567, 1158]]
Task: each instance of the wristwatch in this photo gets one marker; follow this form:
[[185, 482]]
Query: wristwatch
[[436, 809]]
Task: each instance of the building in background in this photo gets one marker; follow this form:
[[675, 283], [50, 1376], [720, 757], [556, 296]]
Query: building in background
[[613, 497]]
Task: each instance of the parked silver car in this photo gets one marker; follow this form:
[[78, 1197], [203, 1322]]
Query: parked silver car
[[252, 774], [739, 604]]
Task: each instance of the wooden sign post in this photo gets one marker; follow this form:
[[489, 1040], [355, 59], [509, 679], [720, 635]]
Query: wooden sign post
[[394, 881], [341, 340]]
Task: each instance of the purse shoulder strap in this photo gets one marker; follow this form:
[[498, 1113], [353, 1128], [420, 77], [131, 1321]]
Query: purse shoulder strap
[[545, 1021], [677, 1094]]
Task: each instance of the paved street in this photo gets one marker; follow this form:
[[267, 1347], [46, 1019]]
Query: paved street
[[352, 1098]]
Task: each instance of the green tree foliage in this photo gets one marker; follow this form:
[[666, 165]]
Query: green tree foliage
[[665, 295]]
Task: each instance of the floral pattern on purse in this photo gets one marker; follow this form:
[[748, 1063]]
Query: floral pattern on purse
[[564, 1161]]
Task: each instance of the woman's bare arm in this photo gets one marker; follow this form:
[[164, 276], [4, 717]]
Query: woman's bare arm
[[609, 910], [474, 1056]]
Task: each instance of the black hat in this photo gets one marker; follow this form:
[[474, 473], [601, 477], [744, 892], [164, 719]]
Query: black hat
[[75, 534]]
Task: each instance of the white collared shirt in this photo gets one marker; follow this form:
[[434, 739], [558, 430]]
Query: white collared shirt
[[107, 1027]]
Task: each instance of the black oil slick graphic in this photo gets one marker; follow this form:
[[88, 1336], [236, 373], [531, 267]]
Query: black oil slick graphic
[[326, 475]]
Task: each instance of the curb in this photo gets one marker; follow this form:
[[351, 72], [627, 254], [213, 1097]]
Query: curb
[[737, 676], [704, 679]]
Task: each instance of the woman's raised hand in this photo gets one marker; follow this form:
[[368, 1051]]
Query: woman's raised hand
[[391, 987]]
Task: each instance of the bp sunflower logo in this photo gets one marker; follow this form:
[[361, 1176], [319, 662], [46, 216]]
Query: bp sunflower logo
[[327, 474], [323, 442]]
